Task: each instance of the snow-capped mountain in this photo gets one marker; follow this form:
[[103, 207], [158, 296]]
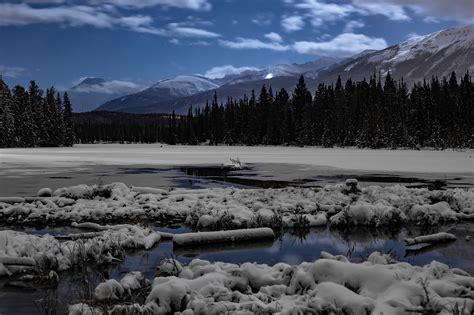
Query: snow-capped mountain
[[170, 90], [165, 90], [310, 69], [91, 92], [436, 54]]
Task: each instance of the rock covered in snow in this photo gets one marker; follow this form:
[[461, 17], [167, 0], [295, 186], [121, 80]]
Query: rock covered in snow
[[45, 192]]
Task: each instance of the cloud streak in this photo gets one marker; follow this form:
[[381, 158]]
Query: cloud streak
[[110, 87], [292, 23], [12, 72], [250, 43], [104, 17], [222, 71], [199, 5], [342, 45]]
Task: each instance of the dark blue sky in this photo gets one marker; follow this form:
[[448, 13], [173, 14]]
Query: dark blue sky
[[56, 42]]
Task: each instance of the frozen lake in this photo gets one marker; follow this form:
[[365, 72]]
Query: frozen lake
[[24, 171], [423, 161]]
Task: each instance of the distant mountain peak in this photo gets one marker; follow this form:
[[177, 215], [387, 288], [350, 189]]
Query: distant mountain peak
[[91, 81]]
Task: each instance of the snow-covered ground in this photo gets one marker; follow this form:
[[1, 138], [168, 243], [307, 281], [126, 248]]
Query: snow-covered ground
[[339, 205], [331, 285], [424, 161]]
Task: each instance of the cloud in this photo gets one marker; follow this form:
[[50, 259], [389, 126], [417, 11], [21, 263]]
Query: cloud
[[458, 10], [430, 19], [263, 19], [318, 12], [174, 41], [100, 17], [201, 5], [292, 23], [392, 11], [343, 45], [12, 72], [249, 43], [274, 37], [179, 29], [110, 87], [412, 35], [352, 25], [23, 14], [222, 71]]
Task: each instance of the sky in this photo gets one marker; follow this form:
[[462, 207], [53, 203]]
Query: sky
[[139, 42]]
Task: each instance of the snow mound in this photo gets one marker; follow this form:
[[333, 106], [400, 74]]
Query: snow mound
[[21, 252], [328, 285], [232, 208]]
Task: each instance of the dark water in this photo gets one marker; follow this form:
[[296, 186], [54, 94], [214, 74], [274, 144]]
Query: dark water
[[257, 175], [291, 248]]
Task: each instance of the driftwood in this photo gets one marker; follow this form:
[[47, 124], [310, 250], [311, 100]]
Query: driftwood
[[430, 239], [19, 261], [90, 226], [230, 236]]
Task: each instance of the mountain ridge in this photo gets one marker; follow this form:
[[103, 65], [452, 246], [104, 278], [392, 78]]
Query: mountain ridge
[[438, 53]]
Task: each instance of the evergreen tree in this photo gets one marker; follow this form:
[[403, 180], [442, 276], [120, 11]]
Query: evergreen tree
[[69, 137]]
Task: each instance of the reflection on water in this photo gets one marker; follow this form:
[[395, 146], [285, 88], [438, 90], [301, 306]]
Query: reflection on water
[[292, 247]]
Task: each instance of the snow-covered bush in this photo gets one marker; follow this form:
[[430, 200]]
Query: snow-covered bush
[[331, 285], [231, 208]]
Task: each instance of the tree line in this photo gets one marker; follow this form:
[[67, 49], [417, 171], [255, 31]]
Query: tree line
[[31, 117], [371, 113]]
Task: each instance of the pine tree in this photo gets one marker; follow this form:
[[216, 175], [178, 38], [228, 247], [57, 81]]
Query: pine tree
[[69, 137], [7, 126], [301, 102]]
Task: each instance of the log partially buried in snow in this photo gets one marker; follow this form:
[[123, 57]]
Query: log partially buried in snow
[[20, 261], [223, 236], [432, 238]]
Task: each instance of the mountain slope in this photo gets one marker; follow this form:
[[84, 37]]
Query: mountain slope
[[181, 91], [436, 54], [162, 91], [91, 92], [311, 68]]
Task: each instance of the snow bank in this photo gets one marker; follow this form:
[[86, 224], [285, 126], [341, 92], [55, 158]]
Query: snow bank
[[243, 235], [231, 208], [114, 290], [328, 285], [23, 252]]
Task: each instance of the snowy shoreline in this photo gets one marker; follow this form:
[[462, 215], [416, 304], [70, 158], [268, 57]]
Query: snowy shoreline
[[330, 284], [231, 208]]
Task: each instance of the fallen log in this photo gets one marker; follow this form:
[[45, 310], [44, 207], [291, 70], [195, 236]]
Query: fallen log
[[19, 261], [430, 239], [223, 236]]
